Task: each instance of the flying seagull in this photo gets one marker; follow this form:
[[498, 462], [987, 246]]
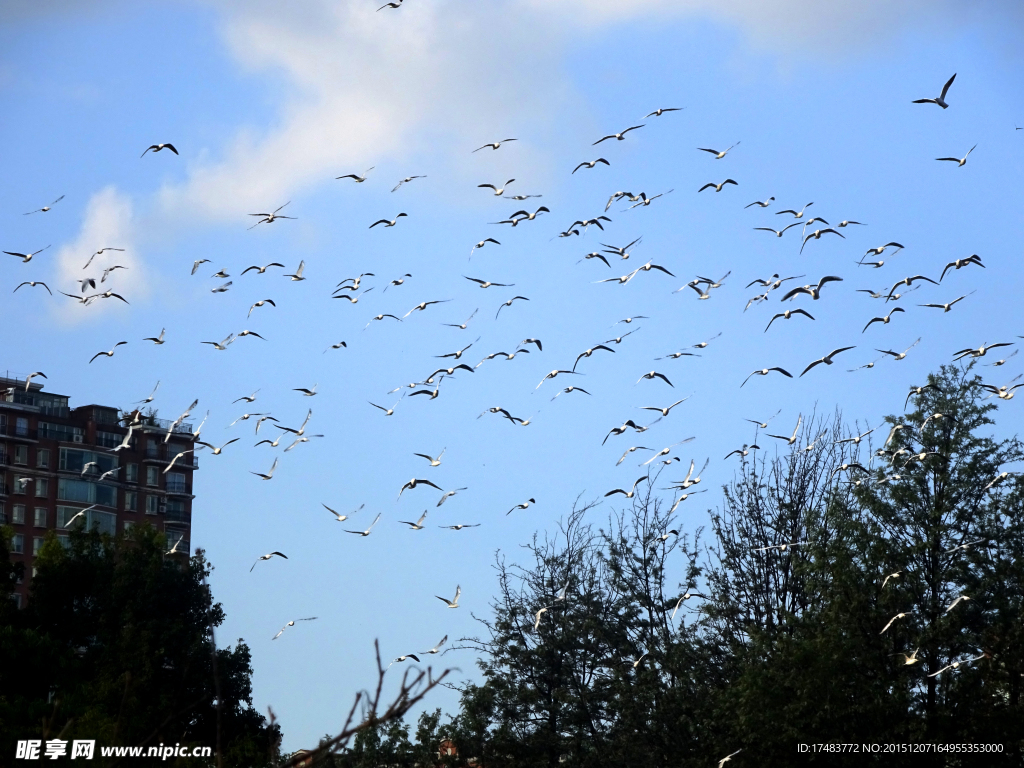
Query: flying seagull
[[267, 557], [270, 218], [25, 257], [158, 147], [44, 209], [33, 284], [717, 187], [941, 100], [620, 136], [590, 164], [358, 179], [108, 354], [451, 603], [766, 371], [827, 359], [291, 624], [663, 110], [493, 145], [960, 161], [718, 155], [406, 180], [367, 531]]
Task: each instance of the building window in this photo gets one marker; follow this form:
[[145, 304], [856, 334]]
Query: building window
[[175, 482], [175, 511], [37, 544], [21, 427], [152, 476], [42, 487], [18, 544], [75, 490], [104, 522], [40, 517], [66, 514], [131, 501], [3, 514], [93, 519], [21, 454], [17, 599], [89, 493], [43, 458], [18, 514], [131, 473], [108, 439], [152, 505], [60, 432], [75, 459]]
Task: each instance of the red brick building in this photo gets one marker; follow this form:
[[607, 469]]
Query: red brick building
[[56, 461]]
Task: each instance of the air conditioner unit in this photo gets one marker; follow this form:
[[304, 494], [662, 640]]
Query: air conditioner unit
[[77, 438]]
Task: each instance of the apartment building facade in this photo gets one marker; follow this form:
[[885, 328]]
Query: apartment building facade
[[62, 468]]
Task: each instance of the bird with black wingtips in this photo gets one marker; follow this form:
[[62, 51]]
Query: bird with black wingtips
[[159, 147], [267, 557], [811, 290], [620, 136], [766, 371], [941, 99], [45, 208], [884, 320], [827, 359], [719, 154]]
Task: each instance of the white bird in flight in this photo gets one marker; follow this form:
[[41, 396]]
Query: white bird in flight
[[941, 99], [718, 155], [451, 603], [291, 624], [960, 161], [45, 208], [267, 557], [370, 528]]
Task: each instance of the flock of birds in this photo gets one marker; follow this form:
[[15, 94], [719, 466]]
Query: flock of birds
[[797, 300]]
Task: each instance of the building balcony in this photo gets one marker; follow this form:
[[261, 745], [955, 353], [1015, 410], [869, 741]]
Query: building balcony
[[19, 433], [163, 425], [181, 518], [179, 489], [108, 440]]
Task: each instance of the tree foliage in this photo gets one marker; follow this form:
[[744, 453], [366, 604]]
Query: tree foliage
[[117, 645], [773, 634]]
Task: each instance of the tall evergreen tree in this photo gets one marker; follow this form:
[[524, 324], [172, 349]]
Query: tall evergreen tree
[[946, 523]]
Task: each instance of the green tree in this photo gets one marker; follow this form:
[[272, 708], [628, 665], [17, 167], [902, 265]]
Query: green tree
[[117, 645], [946, 522], [818, 650]]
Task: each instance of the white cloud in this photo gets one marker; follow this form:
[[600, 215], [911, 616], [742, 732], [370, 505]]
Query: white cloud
[[430, 79], [369, 85], [798, 27], [107, 223], [364, 87]]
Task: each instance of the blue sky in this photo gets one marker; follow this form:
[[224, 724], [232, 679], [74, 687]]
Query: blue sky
[[268, 103]]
